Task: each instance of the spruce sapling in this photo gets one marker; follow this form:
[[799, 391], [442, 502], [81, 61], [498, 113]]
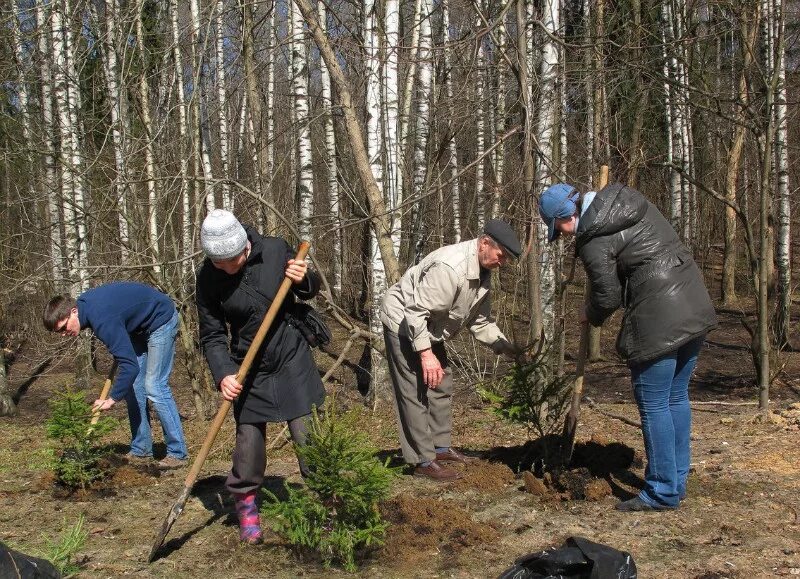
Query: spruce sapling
[[336, 513]]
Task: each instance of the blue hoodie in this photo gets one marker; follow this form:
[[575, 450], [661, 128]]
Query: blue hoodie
[[117, 311]]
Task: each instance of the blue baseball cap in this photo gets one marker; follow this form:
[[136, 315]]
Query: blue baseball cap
[[558, 201]]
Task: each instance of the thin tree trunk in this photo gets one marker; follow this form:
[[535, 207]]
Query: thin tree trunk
[[254, 100], [222, 101], [118, 106], [478, 208], [50, 189], [331, 158], [452, 161], [423, 121], [784, 217], [147, 125], [372, 67], [393, 180], [305, 174], [545, 134], [749, 34], [184, 146]]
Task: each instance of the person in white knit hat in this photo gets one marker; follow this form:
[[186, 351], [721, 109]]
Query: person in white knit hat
[[235, 286]]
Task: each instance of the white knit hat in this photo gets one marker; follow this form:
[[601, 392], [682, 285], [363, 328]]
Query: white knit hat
[[222, 236]]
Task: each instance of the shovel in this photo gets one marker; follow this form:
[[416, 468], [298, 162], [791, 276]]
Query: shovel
[[571, 422], [191, 478], [103, 395]]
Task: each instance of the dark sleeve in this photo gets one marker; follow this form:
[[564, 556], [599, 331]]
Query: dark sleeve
[[600, 262], [213, 331], [310, 285], [114, 335]]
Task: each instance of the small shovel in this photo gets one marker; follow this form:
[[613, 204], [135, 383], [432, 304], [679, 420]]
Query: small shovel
[[191, 478]]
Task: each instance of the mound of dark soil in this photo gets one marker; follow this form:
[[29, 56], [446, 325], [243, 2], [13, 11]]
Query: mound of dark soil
[[421, 525]]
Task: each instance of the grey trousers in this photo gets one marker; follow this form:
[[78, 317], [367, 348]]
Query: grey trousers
[[424, 415], [250, 454]]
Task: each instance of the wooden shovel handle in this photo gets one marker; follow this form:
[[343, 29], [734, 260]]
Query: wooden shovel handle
[[104, 392], [269, 317]]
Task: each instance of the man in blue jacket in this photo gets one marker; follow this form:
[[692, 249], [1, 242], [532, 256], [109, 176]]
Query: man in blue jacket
[[138, 325]]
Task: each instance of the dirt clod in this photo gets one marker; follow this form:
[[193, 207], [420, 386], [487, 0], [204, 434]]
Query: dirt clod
[[534, 485]]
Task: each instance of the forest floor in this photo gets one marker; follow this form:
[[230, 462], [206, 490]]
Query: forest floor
[[740, 518]]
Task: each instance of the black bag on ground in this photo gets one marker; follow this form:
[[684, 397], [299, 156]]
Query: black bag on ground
[[16, 565], [577, 558], [308, 321]]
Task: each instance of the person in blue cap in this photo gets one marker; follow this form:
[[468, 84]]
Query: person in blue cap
[[634, 259]]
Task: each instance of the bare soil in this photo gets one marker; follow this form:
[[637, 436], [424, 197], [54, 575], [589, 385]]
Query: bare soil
[[740, 518]]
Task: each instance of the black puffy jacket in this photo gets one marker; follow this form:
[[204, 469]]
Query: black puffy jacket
[[634, 259], [284, 382]]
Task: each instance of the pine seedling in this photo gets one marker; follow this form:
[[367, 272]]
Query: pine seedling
[[61, 553], [76, 462], [530, 395], [336, 513]]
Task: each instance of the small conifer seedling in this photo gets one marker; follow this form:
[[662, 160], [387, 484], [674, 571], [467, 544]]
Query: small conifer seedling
[[336, 513]]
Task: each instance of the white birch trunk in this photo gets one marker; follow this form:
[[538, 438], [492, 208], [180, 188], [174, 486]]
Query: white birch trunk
[[222, 101], [672, 115], [480, 132], [684, 124], [331, 160], [305, 175], [372, 70], [544, 174], [784, 217], [202, 146], [149, 153], [500, 115], [184, 147], [50, 189], [117, 105], [391, 107], [452, 150], [69, 157], [270, 106], [423, 120]]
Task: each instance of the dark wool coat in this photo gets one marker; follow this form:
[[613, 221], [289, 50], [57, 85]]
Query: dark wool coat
[[284, 382], [634, 259]]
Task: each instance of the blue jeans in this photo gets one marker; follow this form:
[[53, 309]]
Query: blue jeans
[[661, 388], [155, 356]]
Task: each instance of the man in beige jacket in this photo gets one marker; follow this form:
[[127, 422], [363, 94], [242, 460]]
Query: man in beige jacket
[[446, 291]]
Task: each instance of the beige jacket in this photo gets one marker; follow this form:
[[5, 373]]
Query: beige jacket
[[440, 295]]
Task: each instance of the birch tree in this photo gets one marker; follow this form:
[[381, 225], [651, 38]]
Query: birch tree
[[452, 151], [545, 133], [374, 150], [784, 213], [305, 175], [69, 154], [423, 120], [147, 125], [222, 102], [393, 182], [118, 108], [331, 162], [50, 189]]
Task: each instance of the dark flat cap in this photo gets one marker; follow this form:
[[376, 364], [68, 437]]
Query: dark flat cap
[[503, 234]]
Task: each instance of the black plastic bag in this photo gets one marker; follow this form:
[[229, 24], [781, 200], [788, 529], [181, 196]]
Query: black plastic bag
[[16, 565], [308, 321], [577, 558]]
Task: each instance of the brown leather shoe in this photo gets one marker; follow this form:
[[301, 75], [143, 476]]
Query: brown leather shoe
[[452, 455], [436, 472]]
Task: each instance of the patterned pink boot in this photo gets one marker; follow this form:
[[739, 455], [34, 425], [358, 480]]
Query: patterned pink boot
[[249, 523]]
